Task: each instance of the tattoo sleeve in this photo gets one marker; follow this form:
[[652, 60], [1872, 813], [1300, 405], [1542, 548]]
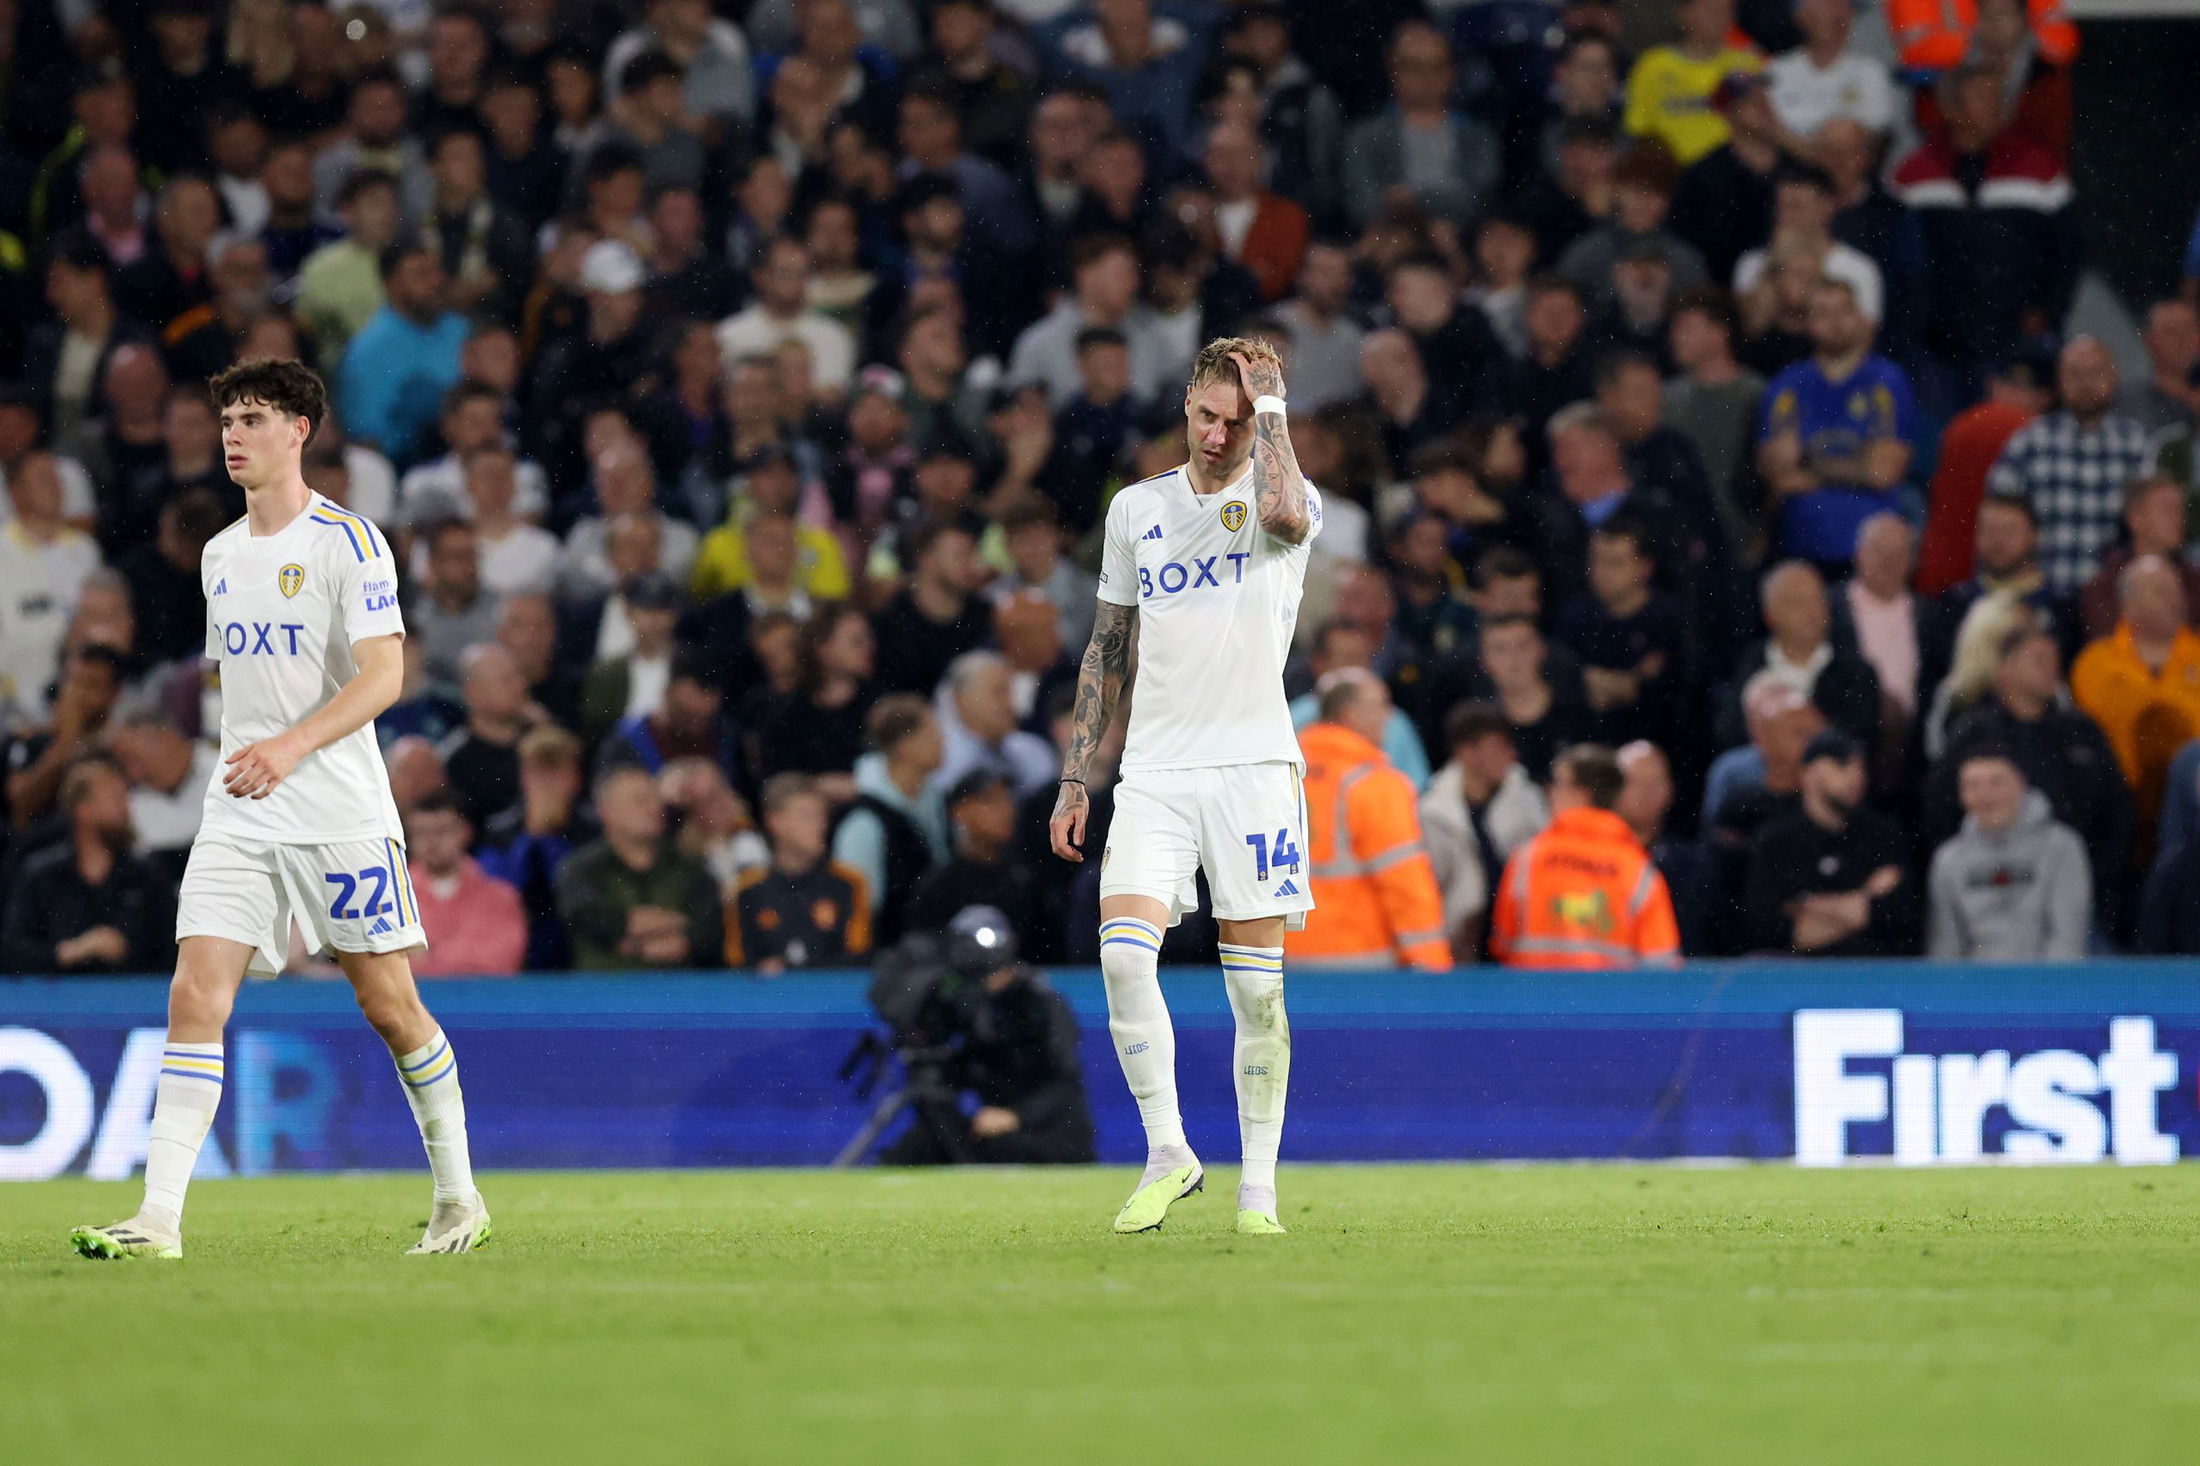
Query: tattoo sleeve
[[1279, 488], [1100, 679]]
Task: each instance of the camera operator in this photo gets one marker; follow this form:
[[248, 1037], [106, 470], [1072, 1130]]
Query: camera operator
[[1001, 1033]]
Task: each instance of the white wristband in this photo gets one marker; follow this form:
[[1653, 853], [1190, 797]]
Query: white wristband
[[1268, 404]]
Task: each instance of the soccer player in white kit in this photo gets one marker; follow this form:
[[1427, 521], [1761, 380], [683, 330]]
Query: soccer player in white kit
[[302, 620], [1202, 571]]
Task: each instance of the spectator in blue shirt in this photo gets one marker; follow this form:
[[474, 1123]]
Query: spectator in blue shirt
[[391, 385], [1838, 433]]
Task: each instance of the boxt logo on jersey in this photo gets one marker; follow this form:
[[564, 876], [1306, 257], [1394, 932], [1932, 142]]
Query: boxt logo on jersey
[[2061, 1105], [1176, 576]]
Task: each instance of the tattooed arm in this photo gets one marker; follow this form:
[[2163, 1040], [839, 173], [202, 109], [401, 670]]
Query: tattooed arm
[[1100, 679], [1279, 488]]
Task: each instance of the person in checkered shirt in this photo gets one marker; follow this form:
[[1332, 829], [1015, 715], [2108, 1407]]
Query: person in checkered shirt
[[2073, 464]]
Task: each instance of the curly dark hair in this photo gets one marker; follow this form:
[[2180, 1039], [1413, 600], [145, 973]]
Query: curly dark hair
[[287, 386]]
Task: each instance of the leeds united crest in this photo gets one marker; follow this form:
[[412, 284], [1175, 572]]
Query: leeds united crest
[[1233, 515], [290, 578]]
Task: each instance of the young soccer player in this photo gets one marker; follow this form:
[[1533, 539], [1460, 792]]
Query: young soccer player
[[1203, 568], [302, 619]]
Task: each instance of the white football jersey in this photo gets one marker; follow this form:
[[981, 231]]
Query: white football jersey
[[282, 614], [1217, 599]]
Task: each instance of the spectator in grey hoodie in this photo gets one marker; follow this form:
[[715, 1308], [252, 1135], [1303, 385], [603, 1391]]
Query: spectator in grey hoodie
[[2014, 885]]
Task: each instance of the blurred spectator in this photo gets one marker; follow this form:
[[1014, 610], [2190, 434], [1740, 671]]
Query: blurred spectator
[[583, 372], [211, 337], [713, 822], [1431, 622], [630, 681], [1839, 432], [1876, 612], [1583, 893], [1713, 401], [1339, 645], [631, 899], [1691, 878], [527, 627], [88, 904], [473, 921], [936, 616], [43, 566], [727, 626], [1419, 152], [690, 722], [2072, 465], [2141, 684], [169, 775], [1104, 287], [396, 370], [517, 557], [1400, 397], [451, 609], [1670, 92], [962, 61], [169, 276], [1547, 712], [1593, 485], [2169, 915], [2154, 525], [979, 725], [487, 254], [1801, 651], [1632, 642], [1261, 230], [896, 828], [986, 867], [2028, 45], [2018, 392], [1029, 634], [123, 441], [1092, 429], [471, 417], [931, 139], [65, 359], [804, 909], [1724, 203], [1762, 780], [1033, 538], [415, 770], [1805, 201], [1825, 78], [2005, 563], [1504, 258], [294, 229], [1828, 880], [1642, 196], [1325, 333], [718, 84], [374, 138], [39, 759], [821, 729], [1376, 899], [483, 757], [1466, 365], [1555, 372], [771, 485], [340, 284], [2014, 886], [1147, 65], [625, 486], [2000, 238], [527, 845], [782, 312], [2169, 399], [1480, 807]]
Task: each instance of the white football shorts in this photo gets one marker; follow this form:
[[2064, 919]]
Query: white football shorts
[[1245, 824], [352, 896]]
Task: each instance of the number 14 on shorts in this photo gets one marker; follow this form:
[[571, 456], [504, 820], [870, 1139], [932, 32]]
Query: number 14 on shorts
[[1282, 855]]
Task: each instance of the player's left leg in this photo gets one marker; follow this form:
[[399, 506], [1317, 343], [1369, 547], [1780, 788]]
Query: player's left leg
[[1252, 971], [1252, 830], [388, 996]]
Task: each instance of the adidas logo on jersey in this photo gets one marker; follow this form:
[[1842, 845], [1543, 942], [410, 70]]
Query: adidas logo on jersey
[[381, 928], [1288, 888], [221, 587], [1152, 534]]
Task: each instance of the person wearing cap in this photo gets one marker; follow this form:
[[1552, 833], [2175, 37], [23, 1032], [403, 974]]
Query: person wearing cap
[[1829, 880], [1839, 432], [1669, 92], [396, 370], [804, 909], [603, 362]]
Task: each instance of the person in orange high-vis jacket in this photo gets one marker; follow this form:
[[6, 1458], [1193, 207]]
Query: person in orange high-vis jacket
[[1376, 902], [1933, 35], [1584, 893]]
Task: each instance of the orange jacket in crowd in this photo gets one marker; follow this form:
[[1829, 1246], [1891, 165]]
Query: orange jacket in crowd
[[1375, 896], [1933, 35], [1583, 893], [2147, 715]]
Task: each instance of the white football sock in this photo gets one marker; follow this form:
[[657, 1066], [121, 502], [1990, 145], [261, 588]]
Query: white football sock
[[184, 1100], [430, 1073], [1262, 1064], [1145, 1040]]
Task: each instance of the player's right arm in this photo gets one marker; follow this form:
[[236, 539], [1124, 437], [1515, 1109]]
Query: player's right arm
[[1100, 679]]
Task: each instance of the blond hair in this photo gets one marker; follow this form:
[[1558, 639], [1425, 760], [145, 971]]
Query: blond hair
[[1213, 363]]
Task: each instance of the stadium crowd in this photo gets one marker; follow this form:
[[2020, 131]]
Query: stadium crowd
[[743, 385]]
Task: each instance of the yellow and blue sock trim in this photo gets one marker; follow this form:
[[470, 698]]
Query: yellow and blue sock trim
[[192, 1061], [437, 1062], [1129, 931]]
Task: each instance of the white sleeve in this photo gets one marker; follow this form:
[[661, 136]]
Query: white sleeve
[[1118, 564], [367, 586], [1313, 514]]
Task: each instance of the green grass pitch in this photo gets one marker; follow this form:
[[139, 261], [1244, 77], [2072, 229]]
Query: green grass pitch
[[1542, 1314]]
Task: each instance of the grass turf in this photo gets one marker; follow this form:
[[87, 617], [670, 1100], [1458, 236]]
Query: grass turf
[[1416, 1313]]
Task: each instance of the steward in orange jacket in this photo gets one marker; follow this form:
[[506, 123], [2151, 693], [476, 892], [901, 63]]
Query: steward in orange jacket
[[1584, 893], [1933, 35], [1376, 902]]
